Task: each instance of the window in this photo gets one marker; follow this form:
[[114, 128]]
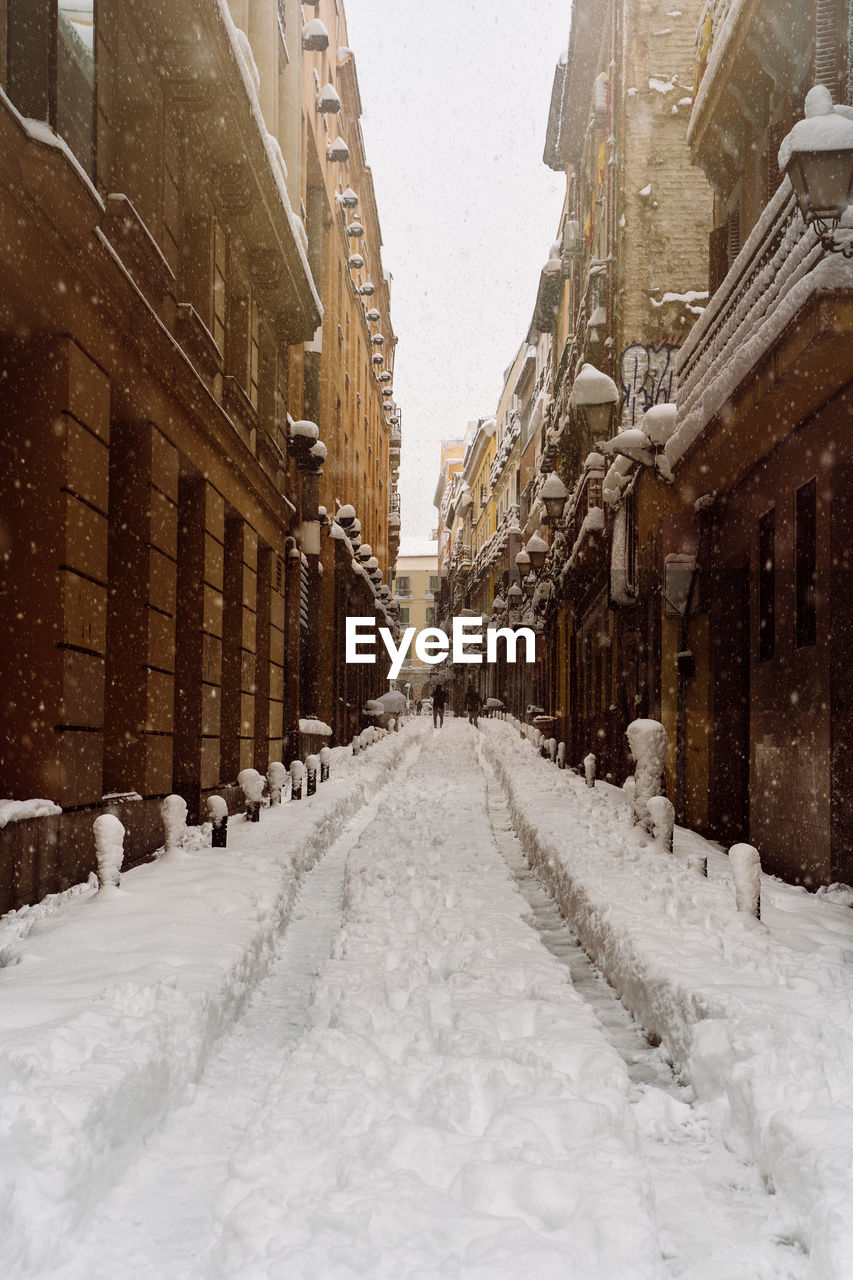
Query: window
[[404, 585], [430, 616], [433, 584], [806, 564], [404, 617], [51, 68], [767, 585]]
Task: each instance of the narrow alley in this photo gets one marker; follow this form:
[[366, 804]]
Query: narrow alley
[[420, 1087]]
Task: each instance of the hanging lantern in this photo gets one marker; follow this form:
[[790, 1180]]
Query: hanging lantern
[[338, 151], [328, 100], [348, 198], [377, 358], [315, 37], [377, 340], [356, 262], [367, 288], [355, 230]]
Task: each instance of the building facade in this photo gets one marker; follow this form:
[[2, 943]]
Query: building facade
[[763, 439], [161, 525], [689, 426], [417, 591]]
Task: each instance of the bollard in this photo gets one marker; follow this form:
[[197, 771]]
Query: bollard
[[252, 785], [662, 813], [589, 764], [356, 745], [218, 811], [552, 750], [561, 756], [698, 862], [649, 744], [109, 849], [276, 778], [325, 763], [746, 870], [312, 768], [173, 811], [297, 773]]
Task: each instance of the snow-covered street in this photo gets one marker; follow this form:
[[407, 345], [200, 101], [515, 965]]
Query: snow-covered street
[[420, 1074]]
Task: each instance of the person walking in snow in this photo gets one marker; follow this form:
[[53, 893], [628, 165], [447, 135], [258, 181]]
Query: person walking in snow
[[438, 701], [473, 702]]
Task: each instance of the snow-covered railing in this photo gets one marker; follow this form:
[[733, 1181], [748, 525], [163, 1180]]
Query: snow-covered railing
[[753, 305]]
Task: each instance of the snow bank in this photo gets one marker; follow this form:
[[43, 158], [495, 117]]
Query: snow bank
[[110, 1007], [759, 1015]]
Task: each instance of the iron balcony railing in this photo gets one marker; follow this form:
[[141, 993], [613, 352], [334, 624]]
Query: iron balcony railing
[[766, 286]]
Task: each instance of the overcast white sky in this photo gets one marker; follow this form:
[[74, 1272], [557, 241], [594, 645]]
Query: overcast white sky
[[455, 96]]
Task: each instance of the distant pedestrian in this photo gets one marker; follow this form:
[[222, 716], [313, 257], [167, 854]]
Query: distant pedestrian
[[473, 702], [439, 699]]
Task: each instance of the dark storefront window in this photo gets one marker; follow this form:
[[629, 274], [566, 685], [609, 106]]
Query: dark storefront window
[[50, 68], [806, 565], [767, 585]]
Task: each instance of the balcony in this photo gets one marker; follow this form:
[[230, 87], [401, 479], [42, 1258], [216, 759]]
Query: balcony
[[776, 334], [750, 52]]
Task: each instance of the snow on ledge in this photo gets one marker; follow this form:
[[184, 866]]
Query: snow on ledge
[[21, 810], [315, 726]]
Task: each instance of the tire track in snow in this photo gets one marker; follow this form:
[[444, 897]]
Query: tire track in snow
[[162, 1219], [716, 1218]]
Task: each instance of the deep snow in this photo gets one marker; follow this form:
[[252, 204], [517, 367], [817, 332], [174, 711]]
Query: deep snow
[[402, 1081]]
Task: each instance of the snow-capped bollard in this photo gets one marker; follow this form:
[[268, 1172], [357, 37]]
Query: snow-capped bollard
[[218, 811], [589, 763], [312, 768], [173, 811], [297, 773], [109, 849], [252, 785], [561, 756], [649, 745], [552, 750], [746, 871], [662, 813], [698, 862], [276, 778], [356, 745], [325, 763]]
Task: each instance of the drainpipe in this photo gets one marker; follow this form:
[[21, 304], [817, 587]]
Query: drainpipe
[[685, 668]]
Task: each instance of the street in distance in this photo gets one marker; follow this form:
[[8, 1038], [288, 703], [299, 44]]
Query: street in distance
[[432, 644]]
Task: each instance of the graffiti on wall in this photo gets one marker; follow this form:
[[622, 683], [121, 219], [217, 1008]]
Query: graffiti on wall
[[647, 376]]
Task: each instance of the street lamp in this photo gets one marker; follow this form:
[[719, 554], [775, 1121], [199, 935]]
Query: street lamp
[[594, 395], [553, 494], [817, 156], [537, 549], [522, 563]]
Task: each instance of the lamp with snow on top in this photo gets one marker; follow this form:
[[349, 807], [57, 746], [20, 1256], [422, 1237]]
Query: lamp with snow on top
[[594, 394], [553, 494], [817, 156], [537, 549]]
